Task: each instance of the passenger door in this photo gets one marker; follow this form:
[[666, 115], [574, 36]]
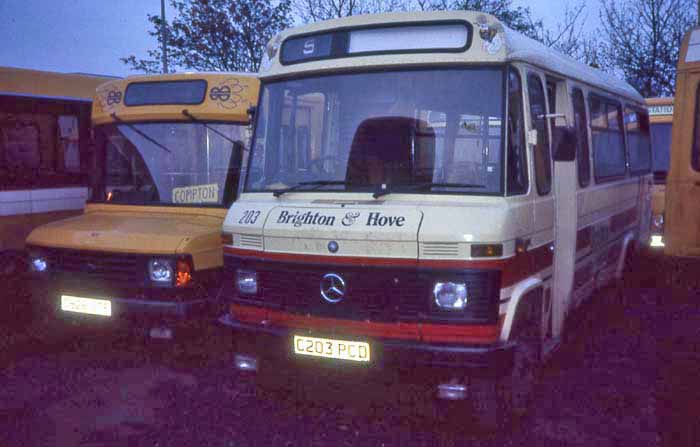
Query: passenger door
[[565, 214]]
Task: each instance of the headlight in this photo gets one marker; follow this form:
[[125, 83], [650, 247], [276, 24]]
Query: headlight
[[247, 282], [38, 263], [450, 295], [270, 52], [161, 271]]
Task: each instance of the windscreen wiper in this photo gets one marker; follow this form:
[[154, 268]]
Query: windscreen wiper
[[314, 185], [198, 121], [140, 132], [386, 189]]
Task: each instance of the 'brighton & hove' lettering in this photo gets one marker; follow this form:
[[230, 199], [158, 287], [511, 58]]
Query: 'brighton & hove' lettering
[[308, 218], [379, 220]]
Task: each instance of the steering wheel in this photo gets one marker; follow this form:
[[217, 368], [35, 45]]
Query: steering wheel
[[316, 166]]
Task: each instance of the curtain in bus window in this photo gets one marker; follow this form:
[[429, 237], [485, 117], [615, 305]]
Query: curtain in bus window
[[20, 148], [517, 154], [583, 162], [608, 142], [69, 143], [637, 125], [543, 163], [696, 133]]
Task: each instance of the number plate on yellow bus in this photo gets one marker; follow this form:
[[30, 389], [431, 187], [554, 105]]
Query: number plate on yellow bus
[[356, 351], [89, 306]]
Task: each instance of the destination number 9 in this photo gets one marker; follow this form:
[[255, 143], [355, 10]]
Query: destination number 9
[[249, 217]]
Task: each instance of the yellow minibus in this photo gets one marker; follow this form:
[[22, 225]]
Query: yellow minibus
[[146, 252], [429, 197], [45, 153], [681, 235]]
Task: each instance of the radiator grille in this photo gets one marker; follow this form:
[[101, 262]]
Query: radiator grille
[[128, 268], [379, 294]]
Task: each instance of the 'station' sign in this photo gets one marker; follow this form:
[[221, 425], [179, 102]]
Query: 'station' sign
[[660, 110], [196, 194]]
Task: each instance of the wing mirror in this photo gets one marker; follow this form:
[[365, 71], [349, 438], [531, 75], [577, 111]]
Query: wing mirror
[[565, 142]]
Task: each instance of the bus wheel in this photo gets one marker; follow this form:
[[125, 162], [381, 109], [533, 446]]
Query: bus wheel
[[500, 404]]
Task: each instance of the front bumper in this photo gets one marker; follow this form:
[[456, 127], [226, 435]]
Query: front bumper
[[412, 361], [128, 310]]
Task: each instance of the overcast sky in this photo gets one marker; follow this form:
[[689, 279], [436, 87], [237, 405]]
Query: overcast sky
[[90, 36]]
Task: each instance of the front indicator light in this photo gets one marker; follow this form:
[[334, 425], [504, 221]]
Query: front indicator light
[[247, 282], [161, 271], [450, 295], [184, 273]]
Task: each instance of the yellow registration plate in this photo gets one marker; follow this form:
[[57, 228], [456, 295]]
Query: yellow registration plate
[[89, 306], [356, 351]]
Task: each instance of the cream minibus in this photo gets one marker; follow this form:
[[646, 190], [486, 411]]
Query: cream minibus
[[45, 153], [146, 253], [429, 192], [661, 122]]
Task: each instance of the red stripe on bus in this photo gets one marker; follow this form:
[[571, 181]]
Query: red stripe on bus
[[445, 333]]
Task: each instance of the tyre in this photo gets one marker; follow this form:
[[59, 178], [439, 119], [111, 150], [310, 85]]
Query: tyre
[[500, 403]]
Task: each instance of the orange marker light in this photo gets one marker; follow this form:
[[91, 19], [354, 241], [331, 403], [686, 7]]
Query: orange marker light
[[184, 273]]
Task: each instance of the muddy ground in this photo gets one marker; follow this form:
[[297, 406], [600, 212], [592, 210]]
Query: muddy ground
[[625, 378]]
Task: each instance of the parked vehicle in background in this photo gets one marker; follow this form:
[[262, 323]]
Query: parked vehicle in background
[[147, 251], [430, 192], [45, 153], [661, 121]]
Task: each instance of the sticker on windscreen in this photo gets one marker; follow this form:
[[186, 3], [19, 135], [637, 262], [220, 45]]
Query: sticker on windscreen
[[196, 194]]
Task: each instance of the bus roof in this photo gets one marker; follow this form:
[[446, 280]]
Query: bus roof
[[506, 46], [48, 84], [219, 96]]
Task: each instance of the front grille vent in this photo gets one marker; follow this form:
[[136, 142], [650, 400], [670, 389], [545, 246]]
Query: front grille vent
[[249, 241], [440, 249]]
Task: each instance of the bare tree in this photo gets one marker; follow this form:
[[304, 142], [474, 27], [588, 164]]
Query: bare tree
[[570, 37], [316, 10], [214, 35], [642, 41]]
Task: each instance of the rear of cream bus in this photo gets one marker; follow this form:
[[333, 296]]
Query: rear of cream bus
[[661, 121], [146, 254]]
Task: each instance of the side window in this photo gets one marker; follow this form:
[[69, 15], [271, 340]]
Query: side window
[[583, 162], [696, 133], [517, 149], [638, 142], [542, 156], [608, 139], [20, 149]]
